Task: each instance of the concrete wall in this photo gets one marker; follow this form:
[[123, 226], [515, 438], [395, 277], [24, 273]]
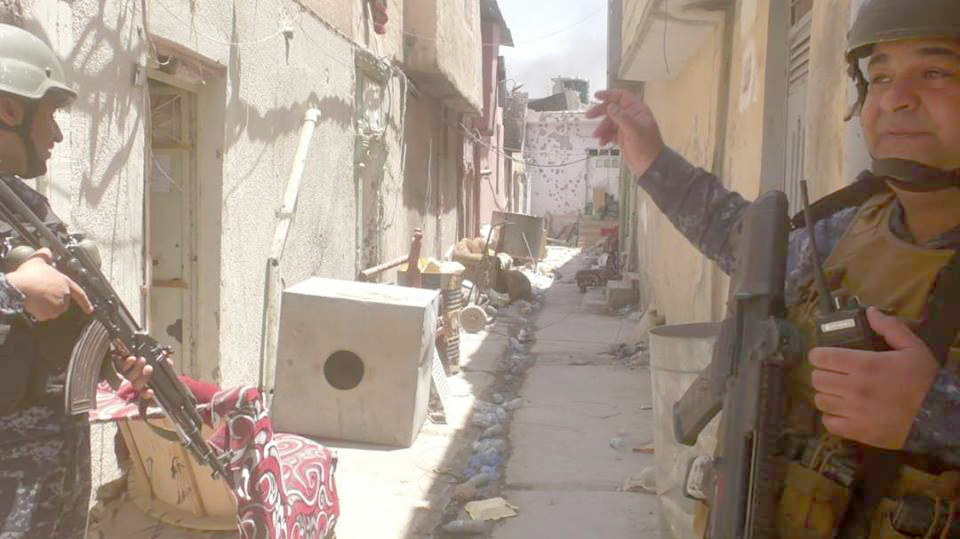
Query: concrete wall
[[494, 181], [558, 138], [426, 197], [442, 50], [679, 281]]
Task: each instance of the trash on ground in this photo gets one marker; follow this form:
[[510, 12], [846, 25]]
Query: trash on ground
[[467, 527], [645, 481], [491, 509], [467, 490]]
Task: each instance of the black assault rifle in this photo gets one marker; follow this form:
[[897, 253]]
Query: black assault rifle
[[119, 326], [746, 379]]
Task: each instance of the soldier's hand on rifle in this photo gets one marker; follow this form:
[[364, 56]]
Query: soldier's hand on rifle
[[873, 397], [629, 123], [47, 292], [136, 371]]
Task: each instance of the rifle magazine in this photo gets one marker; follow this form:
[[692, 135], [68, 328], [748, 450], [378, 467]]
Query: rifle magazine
[[83, 371]]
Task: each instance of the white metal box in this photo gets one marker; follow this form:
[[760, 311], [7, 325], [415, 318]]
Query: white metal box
[[353, 361]]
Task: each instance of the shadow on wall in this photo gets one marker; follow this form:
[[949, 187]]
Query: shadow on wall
[[276, 122], [91, 65], [96, 63]]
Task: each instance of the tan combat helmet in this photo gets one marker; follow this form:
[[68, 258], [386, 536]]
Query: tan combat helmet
[[30, 70], [882, 21]]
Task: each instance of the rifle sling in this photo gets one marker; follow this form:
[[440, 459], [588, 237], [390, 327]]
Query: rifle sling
[[855, 194], [166, 434]]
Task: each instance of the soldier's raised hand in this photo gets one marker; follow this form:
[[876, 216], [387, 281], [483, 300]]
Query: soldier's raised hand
[[629, 123], [47, 292]]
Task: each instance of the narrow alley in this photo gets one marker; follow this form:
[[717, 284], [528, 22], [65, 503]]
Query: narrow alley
[[583, 428]]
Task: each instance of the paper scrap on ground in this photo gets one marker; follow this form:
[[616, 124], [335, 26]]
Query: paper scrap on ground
[[645, 481], [491, 509]]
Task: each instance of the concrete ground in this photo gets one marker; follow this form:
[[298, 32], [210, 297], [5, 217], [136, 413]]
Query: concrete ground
[[563, 473]]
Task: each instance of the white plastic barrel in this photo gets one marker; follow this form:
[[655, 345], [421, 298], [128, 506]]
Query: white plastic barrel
[[677, 355]]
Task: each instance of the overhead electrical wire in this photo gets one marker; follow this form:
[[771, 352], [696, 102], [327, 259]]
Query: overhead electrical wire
[[524, 162]]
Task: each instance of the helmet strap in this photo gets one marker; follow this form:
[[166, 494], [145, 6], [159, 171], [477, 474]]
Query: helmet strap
[[915, 177], [853, 69], [23, 131]]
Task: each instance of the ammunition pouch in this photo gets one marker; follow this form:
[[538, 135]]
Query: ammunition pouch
[[925, 505], [818, 489]]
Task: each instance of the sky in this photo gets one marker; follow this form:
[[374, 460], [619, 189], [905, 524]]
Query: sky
[[557, 38]]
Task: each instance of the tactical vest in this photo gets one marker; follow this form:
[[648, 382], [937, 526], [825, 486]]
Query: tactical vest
[[34, 357], [872, 264]]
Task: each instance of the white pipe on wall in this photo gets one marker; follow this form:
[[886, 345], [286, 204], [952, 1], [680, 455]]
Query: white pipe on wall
[[271, 296]]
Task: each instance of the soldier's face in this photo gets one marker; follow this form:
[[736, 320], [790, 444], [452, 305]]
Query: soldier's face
[[912, 109], [44, 133]]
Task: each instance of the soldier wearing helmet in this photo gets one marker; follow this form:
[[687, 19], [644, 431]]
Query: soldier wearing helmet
[[44, 454], [885, 426]]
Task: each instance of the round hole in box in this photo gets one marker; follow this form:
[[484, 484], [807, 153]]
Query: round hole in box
[[343, 369]]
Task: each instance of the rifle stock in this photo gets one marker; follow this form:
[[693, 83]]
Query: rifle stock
[[119, 327], [746, 375]]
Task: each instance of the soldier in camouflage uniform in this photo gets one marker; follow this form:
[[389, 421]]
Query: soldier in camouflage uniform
[[44, 454], [905, 57]]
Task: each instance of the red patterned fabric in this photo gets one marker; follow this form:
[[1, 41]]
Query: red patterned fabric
[[283, 482]]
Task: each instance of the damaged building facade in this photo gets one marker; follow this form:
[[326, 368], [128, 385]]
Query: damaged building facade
[[753, 91], [178, 156], [574, 182]]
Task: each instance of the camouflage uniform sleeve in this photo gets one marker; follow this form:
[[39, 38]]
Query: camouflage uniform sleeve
[[705, 212], [11, 299], [936, 429], [696, 203]]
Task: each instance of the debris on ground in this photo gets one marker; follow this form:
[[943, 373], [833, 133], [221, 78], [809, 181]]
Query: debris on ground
[[468, 527], [639, 329], [624, 442], [491, 509], [648, 449], [468, 490], [645, 481], [483, 470]]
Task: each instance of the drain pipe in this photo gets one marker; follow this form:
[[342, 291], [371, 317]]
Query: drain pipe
[[271, 291]]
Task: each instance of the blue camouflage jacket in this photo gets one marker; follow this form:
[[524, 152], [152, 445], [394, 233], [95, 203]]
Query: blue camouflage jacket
[[704, 211]]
